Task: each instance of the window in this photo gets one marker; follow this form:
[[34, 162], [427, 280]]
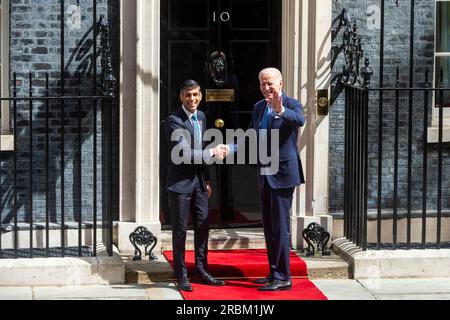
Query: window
[[4, 64], [442, 69], [442, 54]]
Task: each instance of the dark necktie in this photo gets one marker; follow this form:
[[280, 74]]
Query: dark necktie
[[265, 120], [197, 130]]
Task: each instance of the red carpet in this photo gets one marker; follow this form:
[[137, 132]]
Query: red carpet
[[238, 268]]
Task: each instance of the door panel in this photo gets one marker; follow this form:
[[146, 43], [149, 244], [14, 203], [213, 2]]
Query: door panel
[[246, 35], [248, 62], [256, 18], [188, 15], [186, 61]]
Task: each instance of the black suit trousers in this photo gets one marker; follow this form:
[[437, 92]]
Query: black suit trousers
[[276, 205], [182, 206]]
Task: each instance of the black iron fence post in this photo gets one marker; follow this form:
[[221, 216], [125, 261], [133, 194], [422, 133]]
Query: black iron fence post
[[16, 174], [367, 74], [357, 82], [108, 88], [30, 157]]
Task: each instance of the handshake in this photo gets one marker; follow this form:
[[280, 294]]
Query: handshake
[[221, 151]]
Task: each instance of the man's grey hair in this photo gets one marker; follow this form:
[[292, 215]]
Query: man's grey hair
[[274, 71]]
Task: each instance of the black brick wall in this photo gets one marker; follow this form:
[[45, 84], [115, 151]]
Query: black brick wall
[[35, 47], [396, 53]]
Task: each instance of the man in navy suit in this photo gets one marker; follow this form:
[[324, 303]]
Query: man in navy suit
[[187, 181], [283, 114]]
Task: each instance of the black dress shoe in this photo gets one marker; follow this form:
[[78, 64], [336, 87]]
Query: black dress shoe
[[277, 285], [206, 278], [184, 285], [265, 280]]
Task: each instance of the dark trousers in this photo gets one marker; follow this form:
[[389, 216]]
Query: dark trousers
[[182, 206], [276, 204]]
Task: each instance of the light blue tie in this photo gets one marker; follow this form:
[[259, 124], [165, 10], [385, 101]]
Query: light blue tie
[[265, 120], [197, 130]]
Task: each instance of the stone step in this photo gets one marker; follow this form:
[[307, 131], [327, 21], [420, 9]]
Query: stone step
[[221, 239], [147, 272], [99, 270], [326, 267]]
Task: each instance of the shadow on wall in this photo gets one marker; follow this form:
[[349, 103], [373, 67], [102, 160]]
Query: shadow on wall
[[36, 173]]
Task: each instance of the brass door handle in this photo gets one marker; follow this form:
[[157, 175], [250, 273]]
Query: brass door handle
[[219, 123]]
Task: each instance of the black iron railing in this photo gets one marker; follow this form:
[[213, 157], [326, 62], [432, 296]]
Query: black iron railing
[[355, 165], [356, 81], [50, 131], [394, 172], [34, 174], [358, 197]]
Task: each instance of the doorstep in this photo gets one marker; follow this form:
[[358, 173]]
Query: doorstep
[[221, 239], [148, 272]]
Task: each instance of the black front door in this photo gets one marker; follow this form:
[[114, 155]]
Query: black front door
[[223, 44]]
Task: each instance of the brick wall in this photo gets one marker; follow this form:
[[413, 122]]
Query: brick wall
[[396, 53], [35, 46]]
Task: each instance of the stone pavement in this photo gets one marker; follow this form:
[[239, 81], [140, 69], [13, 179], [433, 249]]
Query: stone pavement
[[152, 280], [334, 289]]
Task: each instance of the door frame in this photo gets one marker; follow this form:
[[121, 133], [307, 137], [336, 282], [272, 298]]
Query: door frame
[[184, 48], [140, 77]]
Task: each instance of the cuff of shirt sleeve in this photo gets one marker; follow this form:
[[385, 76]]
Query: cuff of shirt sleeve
[[280, 114], [233, 148]]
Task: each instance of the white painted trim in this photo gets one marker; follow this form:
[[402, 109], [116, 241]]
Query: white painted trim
[[139, 120], [7, 142], [148, 111], [309, 84], [433, 132], [128, 83], [434, 128], [140, 113], [299, 67], [323, 79], [291, 63], [306, 44]]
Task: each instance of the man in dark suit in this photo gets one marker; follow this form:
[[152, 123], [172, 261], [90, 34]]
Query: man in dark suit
[[284, 114], [188, 183]]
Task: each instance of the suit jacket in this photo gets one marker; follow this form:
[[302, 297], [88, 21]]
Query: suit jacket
[[180, 178], [290, 173]]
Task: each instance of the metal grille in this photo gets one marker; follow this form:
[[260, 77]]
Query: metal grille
[[375, 116], [43, 231]]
